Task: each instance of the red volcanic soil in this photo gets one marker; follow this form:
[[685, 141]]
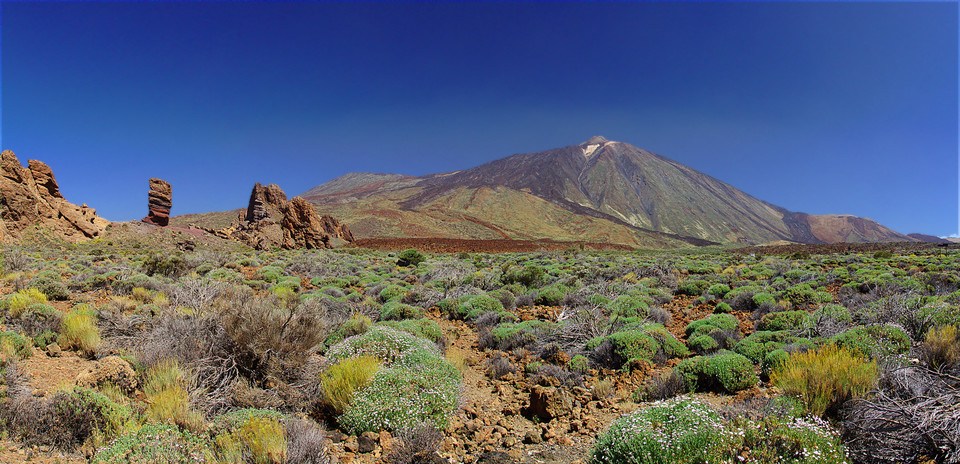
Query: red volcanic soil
[[453, 245]]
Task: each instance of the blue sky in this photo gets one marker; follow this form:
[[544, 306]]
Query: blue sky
[[817, 107]]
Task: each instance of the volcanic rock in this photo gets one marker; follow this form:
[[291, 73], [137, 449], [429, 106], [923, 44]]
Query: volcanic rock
[[271, 221], [30, 197], [159, 202]]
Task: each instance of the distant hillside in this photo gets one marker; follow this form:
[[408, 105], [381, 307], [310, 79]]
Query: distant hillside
[[598, 191]]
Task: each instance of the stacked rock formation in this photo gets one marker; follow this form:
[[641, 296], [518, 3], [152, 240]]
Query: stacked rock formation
[[159, 202], [30, 197], [272, 221]]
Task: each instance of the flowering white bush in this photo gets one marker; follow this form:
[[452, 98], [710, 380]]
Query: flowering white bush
[[675, 431], [416, 384]]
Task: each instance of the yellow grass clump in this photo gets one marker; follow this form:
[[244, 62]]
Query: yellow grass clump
[[825, 378], [342, 379], [78, 329], [167, 398], [23, 299]]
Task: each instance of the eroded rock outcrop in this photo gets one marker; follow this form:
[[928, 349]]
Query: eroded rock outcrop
[[271, 221], [159, 202], [30, 196]]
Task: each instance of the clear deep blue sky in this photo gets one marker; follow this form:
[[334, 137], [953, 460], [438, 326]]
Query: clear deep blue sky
[[817, 107]]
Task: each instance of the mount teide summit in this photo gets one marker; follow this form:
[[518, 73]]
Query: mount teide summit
[[599, 190]]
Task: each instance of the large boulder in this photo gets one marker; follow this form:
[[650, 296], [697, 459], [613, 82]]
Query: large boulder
[[30, 197], [159, 203]]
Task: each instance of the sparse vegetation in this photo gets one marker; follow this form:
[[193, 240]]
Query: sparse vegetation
[[238, 357]]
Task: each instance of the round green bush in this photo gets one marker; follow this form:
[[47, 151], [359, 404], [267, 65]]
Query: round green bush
[[758, 345], [552, 295], [397, 311], [680, 431], [579, 363], [628, 306], [783, 320], [473, 306], [703, 344], [725, 322], [410, 258], [722, 372], [875, 341]]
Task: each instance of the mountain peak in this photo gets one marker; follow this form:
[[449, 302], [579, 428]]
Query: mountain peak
[[596, 140]]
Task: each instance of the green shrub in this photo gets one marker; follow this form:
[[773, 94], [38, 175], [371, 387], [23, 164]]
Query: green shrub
[[774, 360], [552, 295], [825, 378], [156, 443], [14, 345], [510, 335], [875, 341], [681, 431], [50, 284], [165, 265], [107, 418], [473, 306], [717, 291], [722, 322], [703, 344], [410, 257], [397, 311], [692, 287], [762, 298], [628, 306], [530, 275], [783, 320], [17, 303], [647, 343], [721, 372], [341, 380], [392, 293], [758, 345], [722, 308], [424, 328], [796, 441], [579, 364], [78, 329]]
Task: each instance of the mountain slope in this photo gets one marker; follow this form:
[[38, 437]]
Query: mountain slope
[[598, 190]]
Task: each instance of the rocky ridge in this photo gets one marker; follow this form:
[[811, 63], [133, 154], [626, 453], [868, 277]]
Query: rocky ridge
[[30, 196], [272, 221]]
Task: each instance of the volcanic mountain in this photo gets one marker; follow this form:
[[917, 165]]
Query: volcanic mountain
[[600, 191]]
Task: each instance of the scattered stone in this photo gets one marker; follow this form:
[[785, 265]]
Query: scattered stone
[[159, 203], [367, 442], [53, 350], [533, 437], [547, 403]]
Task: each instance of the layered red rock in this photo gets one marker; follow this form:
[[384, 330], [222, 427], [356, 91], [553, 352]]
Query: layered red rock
[[30, 197], [272, 221], [159, 202]]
